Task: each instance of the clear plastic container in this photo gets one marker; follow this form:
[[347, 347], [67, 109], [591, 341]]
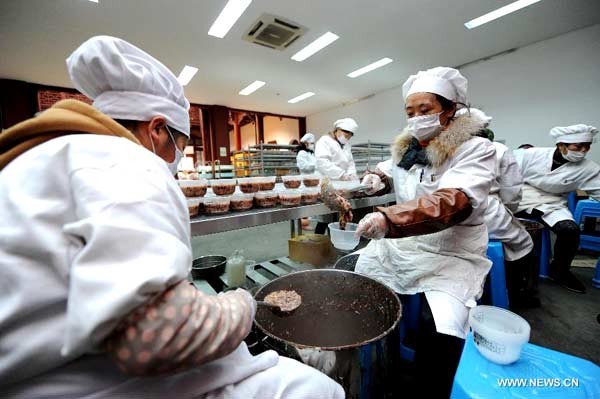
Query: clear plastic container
[[499, 334], [343, 239], [193, 188], [310, 195], [311, 180], [241, 202], [235, 270], [216, 205], [291, 181], [290, 197], [223, 186], [267, 183], [249, 184], [194, 206], [266, 199]]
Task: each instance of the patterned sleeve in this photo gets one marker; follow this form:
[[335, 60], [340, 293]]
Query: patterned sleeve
[[180, 329]]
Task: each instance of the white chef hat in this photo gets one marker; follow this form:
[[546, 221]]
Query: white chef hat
[[308, 138], [574, 134], [347, 124], [128, 83], [447, 82], [475, 112]]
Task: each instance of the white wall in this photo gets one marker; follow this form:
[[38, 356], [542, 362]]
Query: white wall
[[549, 83], [282, 130], [248, 136]]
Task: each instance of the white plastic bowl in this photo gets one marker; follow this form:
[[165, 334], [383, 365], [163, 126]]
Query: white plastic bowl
[[343, 239], [499, 334]]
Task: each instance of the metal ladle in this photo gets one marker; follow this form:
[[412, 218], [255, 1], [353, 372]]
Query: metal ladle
[[277, 308]]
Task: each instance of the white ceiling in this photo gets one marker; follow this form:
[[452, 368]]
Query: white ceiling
[[37, 35]]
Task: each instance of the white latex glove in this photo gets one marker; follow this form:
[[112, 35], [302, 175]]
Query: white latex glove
[[324, 361], [373, 226], [250, 300], [372, 182], [349, 177]]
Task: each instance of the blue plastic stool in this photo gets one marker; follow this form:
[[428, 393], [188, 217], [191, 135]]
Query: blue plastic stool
[[596, 279], [557, 375], [411, 308], [591, 209], [496, 282], [572, 201], [545, 253]]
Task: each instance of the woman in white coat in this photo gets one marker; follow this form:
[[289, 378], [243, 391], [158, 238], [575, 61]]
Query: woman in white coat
[[334, 159], [96, 251], [550, 174], [334, 152], [442, 175], [306, 160]]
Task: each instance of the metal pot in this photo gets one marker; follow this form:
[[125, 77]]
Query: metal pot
[[341, 327], [208, 267]]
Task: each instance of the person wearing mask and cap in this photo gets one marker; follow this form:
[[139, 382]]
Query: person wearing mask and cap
[[96, 251], [550, 174], [306, 161], [503, 201], [436, 238], [334, 153]]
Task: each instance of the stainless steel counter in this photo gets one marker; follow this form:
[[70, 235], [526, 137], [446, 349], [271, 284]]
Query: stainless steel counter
[[204, 225]]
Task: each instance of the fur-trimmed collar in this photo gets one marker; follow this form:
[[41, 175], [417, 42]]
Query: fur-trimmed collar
[[460, 130]]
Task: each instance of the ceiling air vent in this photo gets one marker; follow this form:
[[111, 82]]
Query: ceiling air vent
[[274, 32]]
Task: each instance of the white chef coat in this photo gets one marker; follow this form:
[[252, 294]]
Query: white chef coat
[[306, 161], [92, 227], [504, 199], [333, 160], [449, 266], [547, 190]]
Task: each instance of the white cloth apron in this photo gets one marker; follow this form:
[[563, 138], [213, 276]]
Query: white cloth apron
[[554, 206], [503, 226], [306, 162], [449, 266]]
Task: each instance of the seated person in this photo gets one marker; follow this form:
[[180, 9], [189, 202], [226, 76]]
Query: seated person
[[96, 251], [550, 174]]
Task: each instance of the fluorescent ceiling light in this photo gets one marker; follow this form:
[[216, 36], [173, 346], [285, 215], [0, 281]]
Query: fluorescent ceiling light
[[252, 88], [301, 97], [187, 73], [94, 1], [500, 12], [228, 16], [370, 67], [322, 42]]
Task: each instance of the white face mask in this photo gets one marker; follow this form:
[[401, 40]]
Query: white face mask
[[574, 156], [178, 154], [425, 127], [342, 139]]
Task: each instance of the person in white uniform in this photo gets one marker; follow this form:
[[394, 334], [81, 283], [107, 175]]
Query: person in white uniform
[[503, 201], [334, 152], [435, 237], [334, 159], [306, 160], [550, 174], [96, 250]]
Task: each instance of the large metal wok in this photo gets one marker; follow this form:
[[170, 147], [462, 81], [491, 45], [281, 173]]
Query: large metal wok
[[343, 321]]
